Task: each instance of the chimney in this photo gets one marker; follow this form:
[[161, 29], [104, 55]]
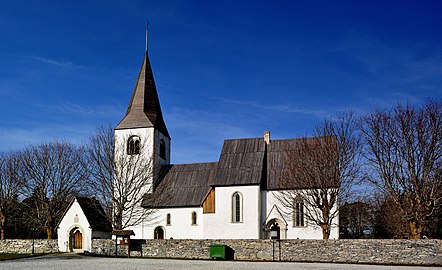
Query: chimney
[[267, 136]]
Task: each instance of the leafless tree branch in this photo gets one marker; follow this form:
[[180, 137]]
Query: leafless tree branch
[[119, 180], [328, 167], [404, 148]]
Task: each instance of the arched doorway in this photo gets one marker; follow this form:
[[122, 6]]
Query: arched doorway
[[276, 229], [75, 239], [159, 233]]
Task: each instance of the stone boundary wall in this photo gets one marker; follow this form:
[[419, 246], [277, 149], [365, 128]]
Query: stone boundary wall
[[367, 251], [25, 246]]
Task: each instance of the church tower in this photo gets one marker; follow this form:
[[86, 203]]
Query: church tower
[[143, 131]]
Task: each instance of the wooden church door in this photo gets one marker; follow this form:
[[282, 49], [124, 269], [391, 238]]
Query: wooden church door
[[78, 240]]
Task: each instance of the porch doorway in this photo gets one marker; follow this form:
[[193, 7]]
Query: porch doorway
[[76, 239], [276, 229]]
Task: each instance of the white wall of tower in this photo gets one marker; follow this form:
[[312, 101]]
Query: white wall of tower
[[146, 136]]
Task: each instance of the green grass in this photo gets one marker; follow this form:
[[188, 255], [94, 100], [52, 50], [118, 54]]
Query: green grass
[[14, 256]]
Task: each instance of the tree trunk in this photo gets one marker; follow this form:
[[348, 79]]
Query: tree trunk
[[118, 220], [2, 226], [415, 229], [49, 232], [325, 231]]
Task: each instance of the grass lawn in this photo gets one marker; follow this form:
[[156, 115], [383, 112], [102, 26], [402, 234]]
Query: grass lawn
[[13, 256]]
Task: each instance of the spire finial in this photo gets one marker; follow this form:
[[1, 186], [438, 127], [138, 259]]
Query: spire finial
[[147, 32]]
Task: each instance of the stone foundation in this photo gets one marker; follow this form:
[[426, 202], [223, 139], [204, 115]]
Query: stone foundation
[[25, 246], [370, 251]]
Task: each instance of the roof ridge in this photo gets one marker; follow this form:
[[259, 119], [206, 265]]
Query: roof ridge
[[302, 138], [244, 139]]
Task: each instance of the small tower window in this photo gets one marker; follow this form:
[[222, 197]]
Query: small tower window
[[194, 218], [133, 145], [162, 149]]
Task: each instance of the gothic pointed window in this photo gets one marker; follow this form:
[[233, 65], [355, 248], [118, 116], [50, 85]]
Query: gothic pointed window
[[236, 207], [298, 214], [133, 145], [162, 149]]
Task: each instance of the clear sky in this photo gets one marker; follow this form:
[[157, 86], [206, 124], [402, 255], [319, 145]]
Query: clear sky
[[223, 69]]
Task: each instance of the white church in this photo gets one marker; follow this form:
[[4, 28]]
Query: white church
[[232, 198]]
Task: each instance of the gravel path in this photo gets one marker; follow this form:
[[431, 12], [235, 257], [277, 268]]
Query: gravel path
[[73, 261]]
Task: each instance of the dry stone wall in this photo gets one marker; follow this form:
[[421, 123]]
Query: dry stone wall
[[25, 246], [408, 252]]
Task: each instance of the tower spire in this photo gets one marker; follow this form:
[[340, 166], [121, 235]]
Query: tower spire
[[144, 110], [147, 35]]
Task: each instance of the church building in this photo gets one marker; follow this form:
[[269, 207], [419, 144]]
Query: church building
[[232, 198]]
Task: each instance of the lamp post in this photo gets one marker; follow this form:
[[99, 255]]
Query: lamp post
[[33, 239]]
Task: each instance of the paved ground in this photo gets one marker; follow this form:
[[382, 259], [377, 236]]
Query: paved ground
[[72, 261]]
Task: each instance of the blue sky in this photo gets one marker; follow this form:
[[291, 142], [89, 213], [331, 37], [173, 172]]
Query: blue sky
[[223, 69]]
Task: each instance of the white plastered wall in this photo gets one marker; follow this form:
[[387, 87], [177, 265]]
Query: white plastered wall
[[158, 137], [180, 227], [146, 136], [150, 141], [219, 225], [73, 218], [309, 231]]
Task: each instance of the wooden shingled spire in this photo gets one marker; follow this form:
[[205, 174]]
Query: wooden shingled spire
[[144, 108]]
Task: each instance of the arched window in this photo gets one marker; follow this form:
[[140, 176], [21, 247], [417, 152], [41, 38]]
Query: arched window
[[133, 145], [162, 149], [194, 218], [168, 219], [298, 214], [236, 207]]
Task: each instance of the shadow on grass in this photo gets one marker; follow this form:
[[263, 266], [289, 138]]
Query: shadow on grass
[[14, 256]]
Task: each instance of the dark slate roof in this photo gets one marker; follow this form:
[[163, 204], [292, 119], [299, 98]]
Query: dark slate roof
[[241, 162], [182, 185], [94, 213], [144, 107], [280, 155]]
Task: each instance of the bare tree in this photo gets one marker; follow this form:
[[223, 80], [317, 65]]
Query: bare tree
[[10, 185], [388, 222], [327, 166], [404, 147], [355, 220], [52, 173], [118, 179]]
